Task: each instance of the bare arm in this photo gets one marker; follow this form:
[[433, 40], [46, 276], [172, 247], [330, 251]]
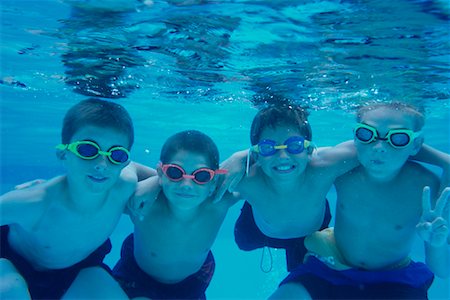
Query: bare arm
[[236, 168], [430, 155], [146, 193], [338, 159], [142, 171]]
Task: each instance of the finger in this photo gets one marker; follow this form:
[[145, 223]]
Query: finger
[[426, 204], [220, 192], [442, 201], [234, 183], [438, 222]]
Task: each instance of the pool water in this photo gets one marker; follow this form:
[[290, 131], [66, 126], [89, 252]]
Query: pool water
[[208, 65]]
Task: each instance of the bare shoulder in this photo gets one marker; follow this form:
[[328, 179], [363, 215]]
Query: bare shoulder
[[23, 206], [419, 174], [127, 181]]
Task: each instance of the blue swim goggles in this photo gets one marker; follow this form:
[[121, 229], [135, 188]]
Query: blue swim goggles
[[293, 145]]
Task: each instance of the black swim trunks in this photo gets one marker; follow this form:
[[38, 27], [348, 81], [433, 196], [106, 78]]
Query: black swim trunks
[[137, 283], [50, 284], [248, 237], [323, 282]]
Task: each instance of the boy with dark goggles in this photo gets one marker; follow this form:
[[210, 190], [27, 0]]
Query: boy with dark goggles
[[397, 138], [89, 150], [293, 145], [200, 176]]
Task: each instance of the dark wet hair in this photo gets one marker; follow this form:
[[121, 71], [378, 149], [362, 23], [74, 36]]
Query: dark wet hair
[[280, 115], [191, 141], [416, 113], [97, 112]]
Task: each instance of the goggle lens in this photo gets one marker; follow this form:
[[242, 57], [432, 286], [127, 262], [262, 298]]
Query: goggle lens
[[118, 155], [174, 173], [87, 150], [203, 176], [364, 134], [266, 148], [399, 139]]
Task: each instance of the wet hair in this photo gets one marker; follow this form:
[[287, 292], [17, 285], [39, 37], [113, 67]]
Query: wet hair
[[280, 115], [414, 112], [97, 112], [191, 141]]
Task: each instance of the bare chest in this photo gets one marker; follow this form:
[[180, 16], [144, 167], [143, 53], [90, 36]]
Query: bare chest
[[63, 239]]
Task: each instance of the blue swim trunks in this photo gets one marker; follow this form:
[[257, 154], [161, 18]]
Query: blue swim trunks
[[323, 282], [248, 237], [50, 284], [137, 283]]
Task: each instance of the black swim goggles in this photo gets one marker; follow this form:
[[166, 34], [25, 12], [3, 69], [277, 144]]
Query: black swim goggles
[[293, 145], [90, 150], [397, 138]]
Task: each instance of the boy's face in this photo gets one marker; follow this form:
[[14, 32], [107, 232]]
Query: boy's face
[[99, 174], [379, 158], [186, 193], [282, 165]]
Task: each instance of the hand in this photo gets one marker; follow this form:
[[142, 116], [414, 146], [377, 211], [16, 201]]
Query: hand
[[236, 167], [146, 193], [433, 225], [135, 208], [29, 184]]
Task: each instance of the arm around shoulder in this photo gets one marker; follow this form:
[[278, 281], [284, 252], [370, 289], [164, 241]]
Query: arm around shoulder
[[430, 155], [24, 206], [146, 193], [338, 159]]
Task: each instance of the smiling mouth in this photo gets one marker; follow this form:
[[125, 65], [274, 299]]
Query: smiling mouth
[[97, 178], [284, 168], [377, 162], [182, 195]]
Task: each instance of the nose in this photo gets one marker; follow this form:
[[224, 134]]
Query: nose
[[101, 163], [282, 153], [380, 145], [186, 182]]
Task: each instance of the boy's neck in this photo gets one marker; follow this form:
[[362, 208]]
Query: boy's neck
[[183, 214], [84, 201], [284, 186], [380, 178]]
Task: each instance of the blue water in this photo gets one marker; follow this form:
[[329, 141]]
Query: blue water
[[207, 65]]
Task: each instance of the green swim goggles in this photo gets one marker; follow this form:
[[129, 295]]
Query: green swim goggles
[[397, 138], [90, 150]]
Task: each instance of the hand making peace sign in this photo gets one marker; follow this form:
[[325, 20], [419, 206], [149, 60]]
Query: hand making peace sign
[[434, 223]]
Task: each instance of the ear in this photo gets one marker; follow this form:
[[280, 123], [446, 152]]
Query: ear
[[160, 174], [417, 145], [212, 186], [61, 154]]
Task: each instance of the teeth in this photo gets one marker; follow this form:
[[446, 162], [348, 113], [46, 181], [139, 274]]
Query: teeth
[[283, 168]]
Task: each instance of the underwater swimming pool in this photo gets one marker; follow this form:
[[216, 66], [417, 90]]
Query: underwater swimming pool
[[206, 65]]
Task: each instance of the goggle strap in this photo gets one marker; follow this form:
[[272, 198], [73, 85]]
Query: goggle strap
[[61, 146], [247, 163], [220, 171]]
